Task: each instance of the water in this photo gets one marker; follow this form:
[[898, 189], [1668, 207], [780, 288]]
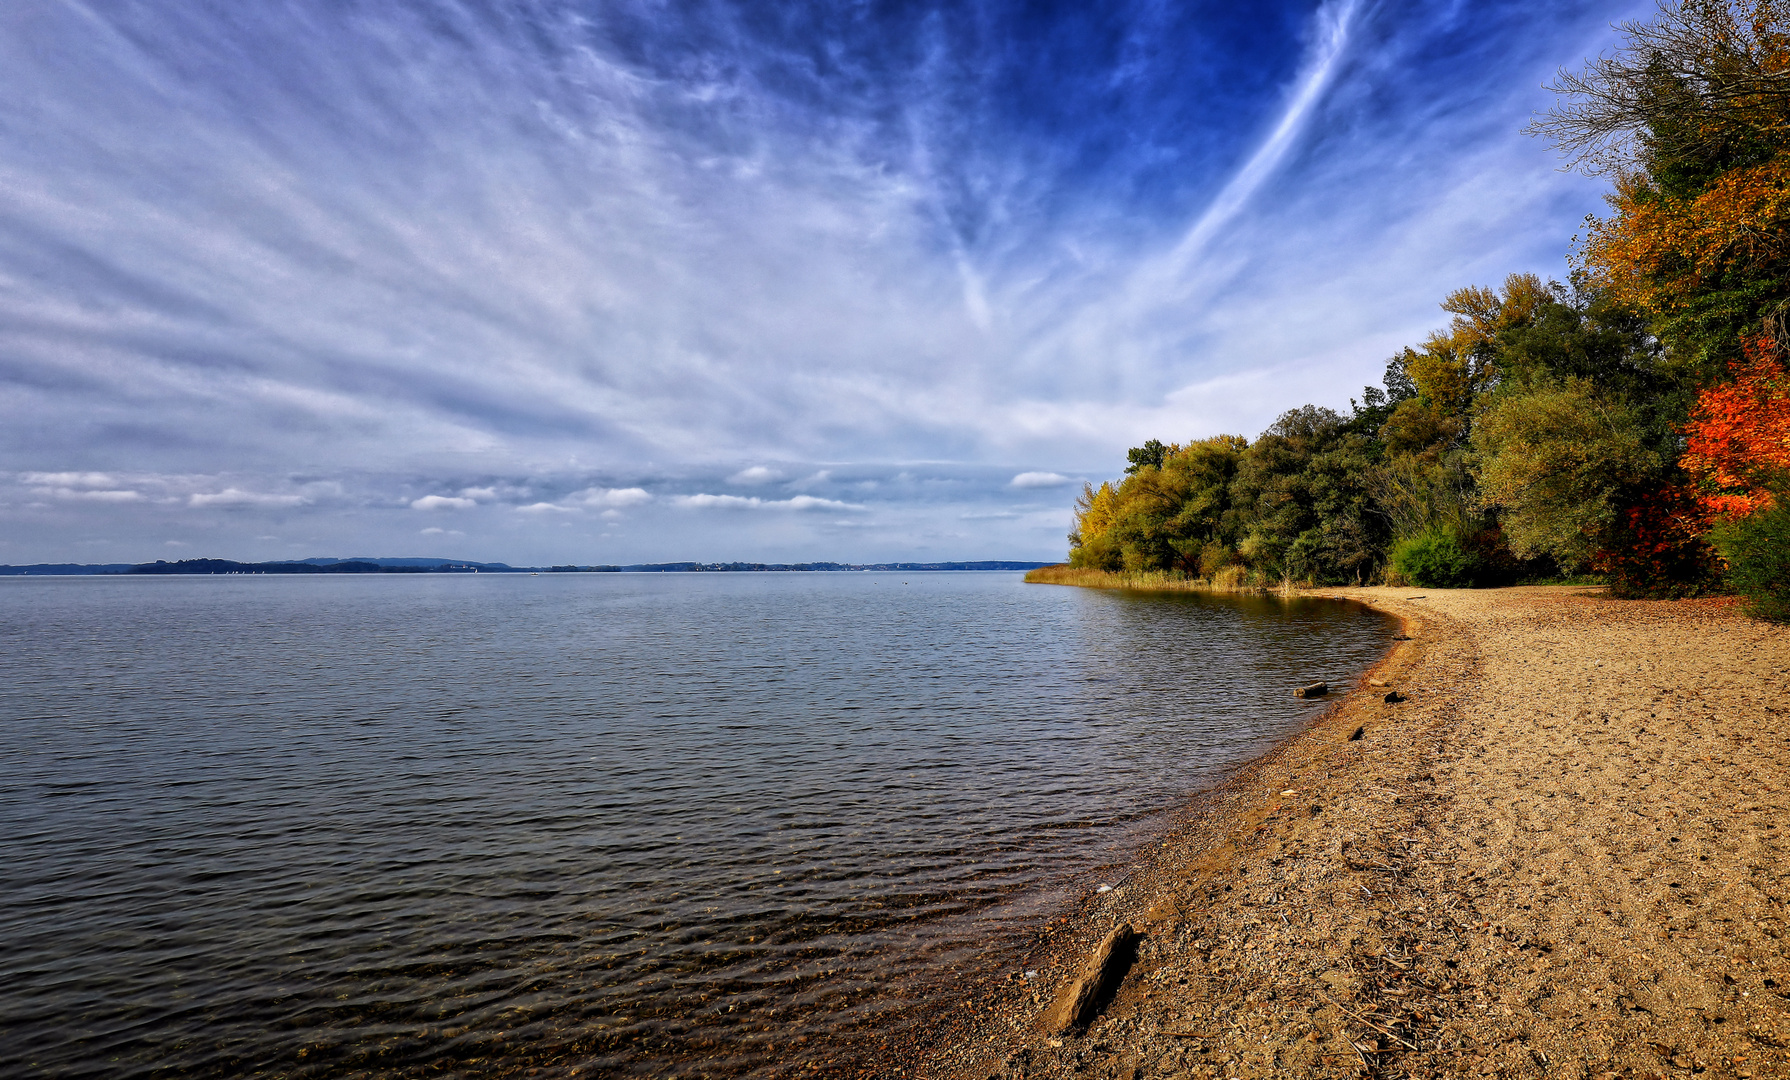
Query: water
[[607, 825]]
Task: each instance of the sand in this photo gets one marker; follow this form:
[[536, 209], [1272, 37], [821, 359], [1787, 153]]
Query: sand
[[1562, 856]]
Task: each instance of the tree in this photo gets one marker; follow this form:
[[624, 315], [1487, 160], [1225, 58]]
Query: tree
[[1738, 440], [1163, 515], [1707, 79], [1090, 542], [1149, 455], [1557, 461], [1691, 117], [1278, 496]]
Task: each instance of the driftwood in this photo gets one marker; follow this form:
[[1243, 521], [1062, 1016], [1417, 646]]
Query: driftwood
[[1316, 689], [1099, 977]]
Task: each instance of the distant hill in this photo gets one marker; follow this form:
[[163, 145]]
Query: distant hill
[[386, 565], [425, 564], [227, 566], [48, 568]]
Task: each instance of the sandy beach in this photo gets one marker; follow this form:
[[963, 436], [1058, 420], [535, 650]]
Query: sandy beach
[[1561, 856]]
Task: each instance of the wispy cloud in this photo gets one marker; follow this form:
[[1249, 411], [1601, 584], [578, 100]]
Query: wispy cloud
[[1331, 27], [101, 495], [337, 262], [233, 498], [740, 502], [70, 479]]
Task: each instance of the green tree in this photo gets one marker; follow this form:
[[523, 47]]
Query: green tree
[[1301, 503], [1558, 461], [1147, 456]]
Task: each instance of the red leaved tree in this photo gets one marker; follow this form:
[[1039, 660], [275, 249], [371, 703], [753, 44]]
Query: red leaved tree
[[1738, 441]]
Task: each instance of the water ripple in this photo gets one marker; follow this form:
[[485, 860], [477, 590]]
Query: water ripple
[[581, 824]]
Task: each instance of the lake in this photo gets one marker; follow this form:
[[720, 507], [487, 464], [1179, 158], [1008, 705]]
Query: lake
[[586, 824]]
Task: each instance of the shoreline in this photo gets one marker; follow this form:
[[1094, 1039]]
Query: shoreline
[[1473, 886], [1151, 581]]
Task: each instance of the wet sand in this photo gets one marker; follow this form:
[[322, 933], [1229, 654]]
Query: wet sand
[[1562, 856]]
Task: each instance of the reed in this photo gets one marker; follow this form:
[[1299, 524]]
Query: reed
[[1231, 579]]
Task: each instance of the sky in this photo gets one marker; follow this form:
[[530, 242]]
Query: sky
[[609, 282]]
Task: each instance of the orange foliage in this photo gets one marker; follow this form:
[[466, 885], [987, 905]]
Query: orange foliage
[[1738, 440], [1657, 250], [1660, 249]]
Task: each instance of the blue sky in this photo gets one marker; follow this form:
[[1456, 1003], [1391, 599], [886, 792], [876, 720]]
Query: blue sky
[[612, 282]]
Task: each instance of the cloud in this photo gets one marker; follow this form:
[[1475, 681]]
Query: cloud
[[757, 474], [1332, 24], [507, 259], [118, 496], [741, 502], [442, 502], [437, 531], [1039, 480], [69, 479], [546, 508], [617, 497], [236, 499]]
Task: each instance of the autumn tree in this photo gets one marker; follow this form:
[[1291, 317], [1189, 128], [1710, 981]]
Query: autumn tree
[[1691, 119], [1738, 441]]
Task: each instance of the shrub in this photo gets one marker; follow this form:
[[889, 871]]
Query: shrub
[[1434, 560], [1657, 549], [1495, 564], [1214, 557], [1757, 551]]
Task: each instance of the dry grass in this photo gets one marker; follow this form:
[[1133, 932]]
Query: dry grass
[[1229, 579]]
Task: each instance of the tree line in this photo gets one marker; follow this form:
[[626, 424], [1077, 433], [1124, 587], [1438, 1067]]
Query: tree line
[[1631, 425]]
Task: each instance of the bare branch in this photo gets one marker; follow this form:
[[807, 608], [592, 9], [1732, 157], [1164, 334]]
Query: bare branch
[[1701, 75]]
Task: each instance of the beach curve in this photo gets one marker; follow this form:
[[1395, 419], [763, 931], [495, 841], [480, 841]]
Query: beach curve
[[1559, 856]]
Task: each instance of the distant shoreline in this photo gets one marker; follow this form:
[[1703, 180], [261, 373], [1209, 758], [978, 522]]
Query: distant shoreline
[[451, 566]]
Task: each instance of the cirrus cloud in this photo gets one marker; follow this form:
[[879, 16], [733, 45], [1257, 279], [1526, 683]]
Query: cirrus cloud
[[504, 258]]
